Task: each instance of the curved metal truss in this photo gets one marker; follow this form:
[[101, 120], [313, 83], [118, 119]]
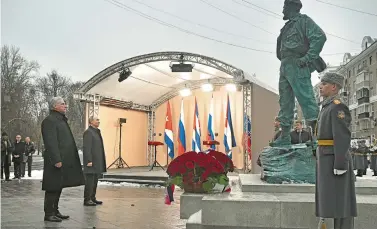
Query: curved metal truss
[[238, 79], [237, 73]]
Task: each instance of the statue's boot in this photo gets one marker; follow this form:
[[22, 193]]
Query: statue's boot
[[284, 139]]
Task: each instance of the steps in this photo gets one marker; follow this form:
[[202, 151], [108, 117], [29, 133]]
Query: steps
[[146, 178]]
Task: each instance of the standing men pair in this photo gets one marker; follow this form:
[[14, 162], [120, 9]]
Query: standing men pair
[[335, 184]]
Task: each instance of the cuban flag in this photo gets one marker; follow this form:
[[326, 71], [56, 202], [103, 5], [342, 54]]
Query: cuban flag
[[181, 132], [210, 125], [229, 139], [169, 139], [196, 146]]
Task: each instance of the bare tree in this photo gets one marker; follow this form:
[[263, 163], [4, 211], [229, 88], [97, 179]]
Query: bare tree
[[16, 79]]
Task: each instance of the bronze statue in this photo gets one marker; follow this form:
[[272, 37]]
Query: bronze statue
[[298, 47]]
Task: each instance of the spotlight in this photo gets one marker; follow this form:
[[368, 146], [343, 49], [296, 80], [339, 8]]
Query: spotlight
[[207, 87], [185, 92], [124, 74], [231, 87]]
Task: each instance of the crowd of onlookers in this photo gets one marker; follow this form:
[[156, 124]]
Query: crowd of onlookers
[[19, 152]]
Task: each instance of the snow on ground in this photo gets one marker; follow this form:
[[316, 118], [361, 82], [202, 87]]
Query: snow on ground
[[369, 175], [35, 175]]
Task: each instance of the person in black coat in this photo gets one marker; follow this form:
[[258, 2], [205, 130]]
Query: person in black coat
[[299, 135], [18, 156], [62, 166], [6, 152], [29, 151], [94, 161]]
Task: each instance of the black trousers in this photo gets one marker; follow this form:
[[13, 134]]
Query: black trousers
[[29, 162], [5, 167], [51, 204], [90, 189], [17, 169]]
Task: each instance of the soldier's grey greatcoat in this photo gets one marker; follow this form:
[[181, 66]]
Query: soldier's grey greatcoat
[[335, 194], [361, 161], [373, 160]]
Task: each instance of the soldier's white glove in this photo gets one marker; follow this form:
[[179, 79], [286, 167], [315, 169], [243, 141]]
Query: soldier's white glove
[[339, 172]]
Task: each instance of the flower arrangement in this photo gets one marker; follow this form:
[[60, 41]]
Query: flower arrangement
[[200, 172]]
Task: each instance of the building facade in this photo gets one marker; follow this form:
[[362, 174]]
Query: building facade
[[360, 88]]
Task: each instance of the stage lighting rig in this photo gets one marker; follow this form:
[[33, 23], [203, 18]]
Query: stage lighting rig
[[124, 74], [181, 66]]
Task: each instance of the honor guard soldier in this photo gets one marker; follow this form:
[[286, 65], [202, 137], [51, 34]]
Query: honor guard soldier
[[373, 160], [335, 184], [361, 160]]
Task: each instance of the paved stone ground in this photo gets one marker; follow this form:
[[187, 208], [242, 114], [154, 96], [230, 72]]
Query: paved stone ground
[[124, 207]]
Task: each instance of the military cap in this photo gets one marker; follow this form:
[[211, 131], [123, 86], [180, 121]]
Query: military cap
[[298, 2], [334, 78]]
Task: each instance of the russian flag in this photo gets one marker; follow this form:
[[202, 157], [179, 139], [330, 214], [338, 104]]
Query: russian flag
[[247, 136], [229, 139], [169, 139], [196, 145], [181, 132], [210, 125]]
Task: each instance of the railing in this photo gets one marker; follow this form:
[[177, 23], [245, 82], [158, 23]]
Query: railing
[[363, 84], [364, 67]]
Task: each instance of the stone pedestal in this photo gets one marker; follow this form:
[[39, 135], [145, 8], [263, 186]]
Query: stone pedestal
[[288, 164], [265, 206]]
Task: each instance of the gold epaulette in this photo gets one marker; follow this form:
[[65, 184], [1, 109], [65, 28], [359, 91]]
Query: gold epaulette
[[337, 101]]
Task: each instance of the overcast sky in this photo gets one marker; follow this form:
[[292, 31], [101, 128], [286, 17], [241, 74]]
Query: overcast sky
[[79, 38]]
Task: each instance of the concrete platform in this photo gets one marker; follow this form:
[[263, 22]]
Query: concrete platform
[[258, 205], [253, 183], [271, 210]]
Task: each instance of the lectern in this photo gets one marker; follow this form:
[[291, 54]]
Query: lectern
[[210, 143], [155, 144]]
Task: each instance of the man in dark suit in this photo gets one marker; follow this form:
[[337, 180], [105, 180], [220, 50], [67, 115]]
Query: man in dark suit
[[94, 161], [62, 166], [299, 135]]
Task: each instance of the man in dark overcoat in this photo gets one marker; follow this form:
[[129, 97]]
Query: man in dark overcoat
[[335, 195], [6, 155], [62, 166], [18, 157], [94, 161]]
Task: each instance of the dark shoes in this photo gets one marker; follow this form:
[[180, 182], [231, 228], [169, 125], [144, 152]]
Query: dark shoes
[[59, 215], [92, 202], [89, 203], [97, 202], [53, 219]]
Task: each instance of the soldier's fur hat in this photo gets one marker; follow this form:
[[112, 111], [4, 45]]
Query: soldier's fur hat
[[298, 2], [334, 78]]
